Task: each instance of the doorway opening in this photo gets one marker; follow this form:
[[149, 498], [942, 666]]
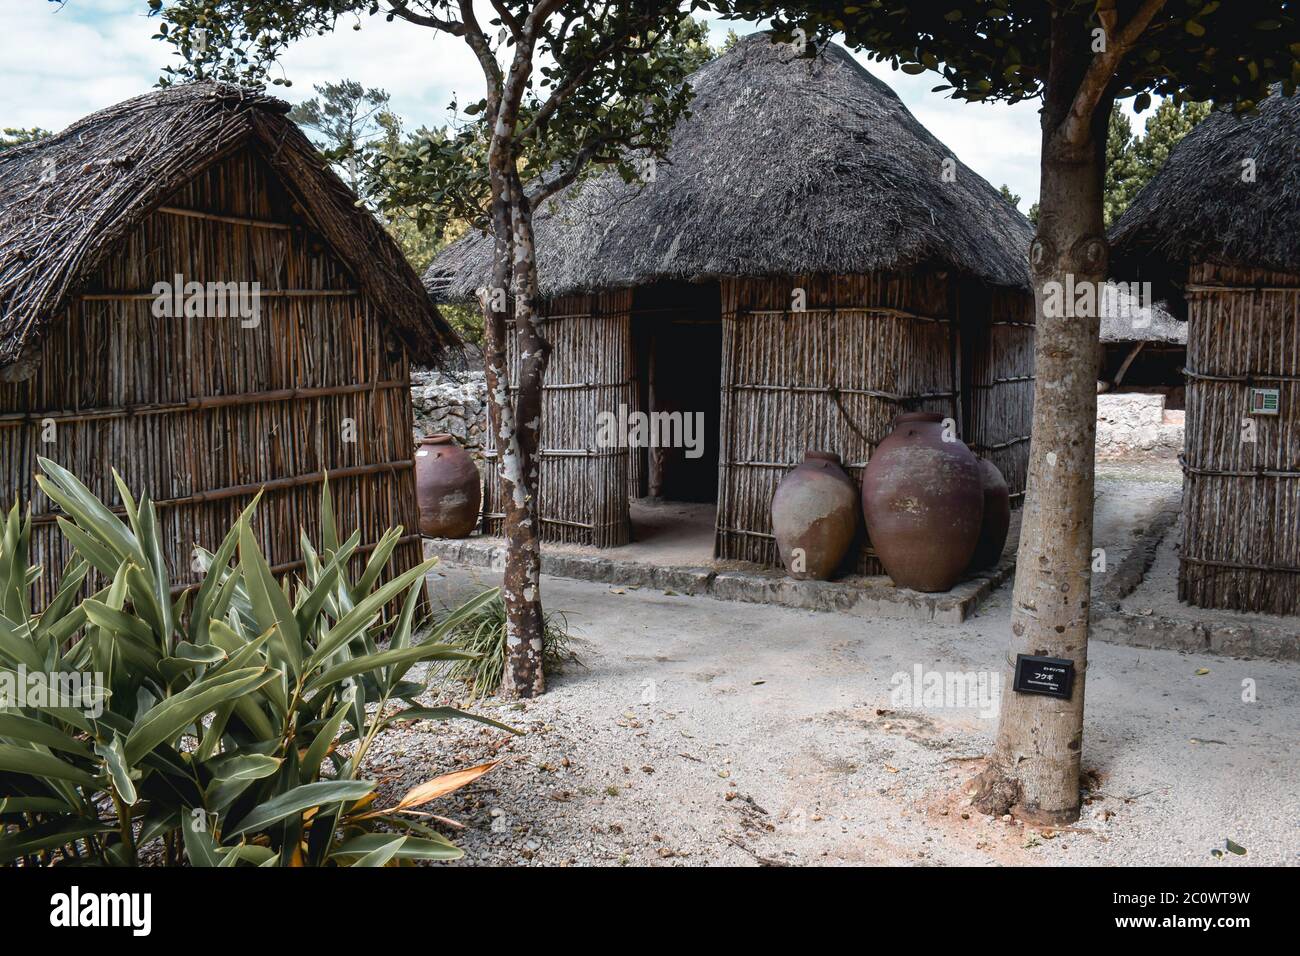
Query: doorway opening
[[677, 339]]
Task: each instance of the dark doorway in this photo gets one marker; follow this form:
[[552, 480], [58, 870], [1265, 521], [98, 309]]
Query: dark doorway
[[678, 332]]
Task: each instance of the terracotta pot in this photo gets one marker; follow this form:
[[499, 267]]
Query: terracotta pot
[[446, 487], [923, 503], [815, 516], [997, 517]]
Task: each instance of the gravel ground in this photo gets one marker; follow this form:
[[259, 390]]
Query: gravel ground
[[702, 732]]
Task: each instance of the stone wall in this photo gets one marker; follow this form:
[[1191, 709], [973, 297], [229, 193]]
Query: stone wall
[[453, 403], [1137, 424]]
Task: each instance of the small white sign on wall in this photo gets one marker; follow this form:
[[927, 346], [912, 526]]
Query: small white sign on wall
[[1265, 401]]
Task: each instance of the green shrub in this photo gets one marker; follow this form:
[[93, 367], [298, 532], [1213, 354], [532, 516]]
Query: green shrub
[[481, 633], [233, 717]]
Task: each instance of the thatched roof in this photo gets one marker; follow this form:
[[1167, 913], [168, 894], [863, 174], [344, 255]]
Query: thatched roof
[[114, 167], [1125, 319], [786, 165], [1198, 208]]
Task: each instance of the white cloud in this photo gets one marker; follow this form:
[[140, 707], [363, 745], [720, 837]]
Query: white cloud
[[63, 62]]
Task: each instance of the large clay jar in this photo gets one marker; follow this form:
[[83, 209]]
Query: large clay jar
[[923, 503], [997, 517], [815, 516], [446, 487]]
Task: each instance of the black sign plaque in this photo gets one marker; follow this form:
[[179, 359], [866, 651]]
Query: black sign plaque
[[1053, 676]]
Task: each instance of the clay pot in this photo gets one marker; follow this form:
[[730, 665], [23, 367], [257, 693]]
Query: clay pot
[[446, 487], [997, 517], [815, 509], [924, 504]]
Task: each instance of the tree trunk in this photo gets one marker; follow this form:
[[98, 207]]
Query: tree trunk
[[524, 675], [515, 420], [1034, 770]]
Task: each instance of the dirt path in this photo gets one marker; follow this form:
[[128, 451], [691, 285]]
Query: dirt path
[[706, 732]]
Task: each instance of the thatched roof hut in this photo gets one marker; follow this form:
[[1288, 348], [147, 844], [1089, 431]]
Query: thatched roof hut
[[1229, 194], [1143, 347], [212, 190], [807, 262], [66, 201], [786, 166], [1220, 224]]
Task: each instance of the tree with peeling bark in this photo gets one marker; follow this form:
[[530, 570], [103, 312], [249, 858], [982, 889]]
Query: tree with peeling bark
[[1078, 57], [568, 84]]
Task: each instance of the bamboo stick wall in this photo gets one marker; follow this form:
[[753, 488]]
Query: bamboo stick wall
[[832, 377], [1241, 499], [582, 490], [1000, 379], [200, 412]]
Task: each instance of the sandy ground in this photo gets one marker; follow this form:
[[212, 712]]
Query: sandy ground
[[704, 732], [1128, 495]]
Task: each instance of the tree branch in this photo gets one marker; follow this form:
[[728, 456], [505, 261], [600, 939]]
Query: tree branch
[[399, 9], [558, 95], [1075, 129], [508, 18], [477, 41]]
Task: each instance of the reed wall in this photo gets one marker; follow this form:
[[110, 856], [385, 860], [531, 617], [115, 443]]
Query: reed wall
[[202, 412], [833, 376], [582, 489], [1241, 498], [998, 333]]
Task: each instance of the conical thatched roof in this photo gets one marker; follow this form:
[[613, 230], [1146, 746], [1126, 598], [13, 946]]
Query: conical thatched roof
[[1199, 208], [786, 165], [66, 201]]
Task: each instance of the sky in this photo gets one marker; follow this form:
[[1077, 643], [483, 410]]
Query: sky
[[62, 61]]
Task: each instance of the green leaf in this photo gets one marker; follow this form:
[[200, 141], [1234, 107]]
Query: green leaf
[[382, 854], [375, 564], [207, 654], [200, 848], [301, 798], [412, 848], [234, 775], [33, 731], [247, 853], [119, 772], [328, 527], [10, 805], [206, 603], [19, 650], [356, 619], [118, 623], [37, 764], [65, 490], [449, 713], [47, 836], [365, 663], [320, 746], [174, 714], [270, 607]]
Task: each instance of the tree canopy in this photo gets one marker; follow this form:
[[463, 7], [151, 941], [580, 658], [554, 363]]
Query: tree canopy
[[1001, 49]]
